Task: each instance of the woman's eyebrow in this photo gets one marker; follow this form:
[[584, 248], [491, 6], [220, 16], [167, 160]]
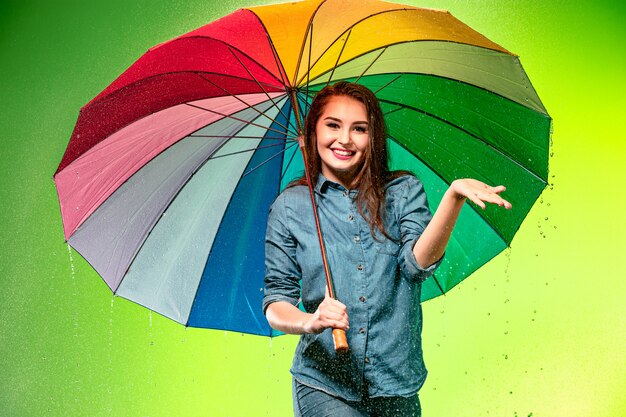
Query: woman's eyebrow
[[358, 122]]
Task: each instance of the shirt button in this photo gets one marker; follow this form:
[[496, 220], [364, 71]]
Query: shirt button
[[359, 267], [345, 194], [362, 299], [361, 330], [351, 217], [357, 238], [367, 360]]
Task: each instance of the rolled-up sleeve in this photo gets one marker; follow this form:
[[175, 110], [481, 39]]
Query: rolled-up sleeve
[[414, 217], [282, 273]]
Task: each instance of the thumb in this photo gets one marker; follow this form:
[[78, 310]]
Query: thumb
[[326, 292]]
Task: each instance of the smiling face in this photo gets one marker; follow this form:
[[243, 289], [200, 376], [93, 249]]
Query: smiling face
[[342, 134]]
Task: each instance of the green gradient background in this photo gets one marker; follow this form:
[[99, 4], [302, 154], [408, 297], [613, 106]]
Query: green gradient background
[[541, 329]]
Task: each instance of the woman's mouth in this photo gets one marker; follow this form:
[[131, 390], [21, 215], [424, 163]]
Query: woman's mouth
[[342, 154]]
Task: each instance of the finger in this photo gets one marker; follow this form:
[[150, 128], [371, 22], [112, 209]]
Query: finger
[[494, 199], [332, 319], [476, 200], [343, 325], [336, 310], [498, 189], [327, 293]]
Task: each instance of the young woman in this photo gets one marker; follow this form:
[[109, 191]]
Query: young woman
[[381, 243]]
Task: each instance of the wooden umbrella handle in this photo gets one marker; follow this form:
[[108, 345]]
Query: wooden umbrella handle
[[341, 342]]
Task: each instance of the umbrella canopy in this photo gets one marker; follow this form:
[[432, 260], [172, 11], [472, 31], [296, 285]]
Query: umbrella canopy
[[167, 179]]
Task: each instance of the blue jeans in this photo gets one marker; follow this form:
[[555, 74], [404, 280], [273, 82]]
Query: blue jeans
[[310, 402]]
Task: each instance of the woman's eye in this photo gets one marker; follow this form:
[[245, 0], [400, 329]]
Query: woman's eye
[[361, 129], [332, 125]]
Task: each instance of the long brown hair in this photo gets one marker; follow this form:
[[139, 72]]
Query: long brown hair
[[374, 173]]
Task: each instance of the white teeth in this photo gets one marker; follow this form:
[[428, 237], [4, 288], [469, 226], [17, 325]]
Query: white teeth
[[341, 152]]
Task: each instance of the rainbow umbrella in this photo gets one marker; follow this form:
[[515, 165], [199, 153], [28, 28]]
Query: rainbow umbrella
[[167, 179]]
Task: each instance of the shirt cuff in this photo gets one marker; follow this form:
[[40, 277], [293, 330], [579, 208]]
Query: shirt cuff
[[272, 298], [414, 270]]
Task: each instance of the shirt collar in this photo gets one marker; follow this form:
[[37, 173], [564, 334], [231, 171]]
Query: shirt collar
[[324, 184]]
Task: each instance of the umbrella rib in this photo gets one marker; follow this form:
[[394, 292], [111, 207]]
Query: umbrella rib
[[238, 137], [369, 66], [279, 64], [259, 84], [497, 150], [350, 28], [308, 71], [307, 105], [438, 285], [285, 168], [308, 29], [282, 175], [228, 45], [239, 99], [244, 151], [391, 111], [388, 84], [270, 158], [338, 57], [235, 118], [381, 88]]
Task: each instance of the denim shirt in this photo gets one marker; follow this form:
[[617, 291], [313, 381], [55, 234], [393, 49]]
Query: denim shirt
[[378, 280]]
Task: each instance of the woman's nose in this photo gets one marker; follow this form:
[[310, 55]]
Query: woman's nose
[[344, 136]]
